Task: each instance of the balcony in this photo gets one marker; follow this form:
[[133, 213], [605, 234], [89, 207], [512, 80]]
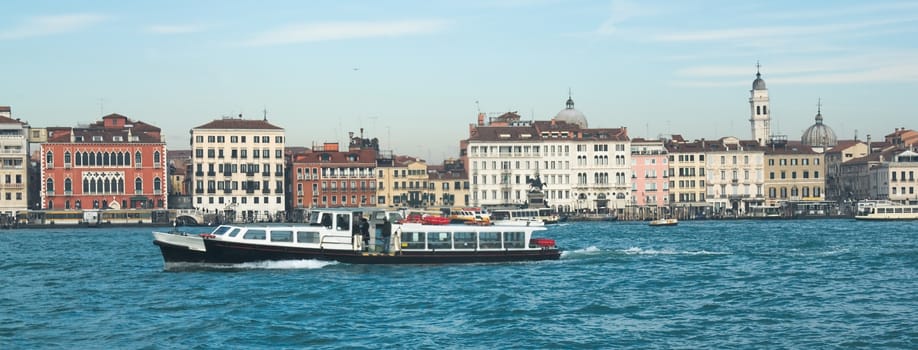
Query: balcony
[[227, 173], [138, 191], [300, 177], [266, 173], [198, 173], [266, 191], [278, 190], [158, 192], [138, 165], [68, 193], [156, 165], [66, 165], [50, 192], [227, 190], [211, 173], [211, 190], [249, 173], [278, 173]]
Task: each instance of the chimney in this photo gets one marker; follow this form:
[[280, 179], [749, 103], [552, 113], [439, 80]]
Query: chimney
[[481, 117]]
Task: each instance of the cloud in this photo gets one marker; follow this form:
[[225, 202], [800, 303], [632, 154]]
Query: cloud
[[168, 29], [329, 31], [622, 10], [51, 25], [773, 31]]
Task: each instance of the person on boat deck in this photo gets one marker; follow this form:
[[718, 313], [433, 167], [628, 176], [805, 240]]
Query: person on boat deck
[[386, 234], [365, 231]]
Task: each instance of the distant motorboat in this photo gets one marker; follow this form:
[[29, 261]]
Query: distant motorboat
[[664, 222]]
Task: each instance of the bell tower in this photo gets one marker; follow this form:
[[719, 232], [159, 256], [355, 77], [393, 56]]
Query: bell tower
[[760, 117]]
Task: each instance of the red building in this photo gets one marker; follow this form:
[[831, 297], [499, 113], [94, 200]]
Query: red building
[[326, 177], [114, 163]]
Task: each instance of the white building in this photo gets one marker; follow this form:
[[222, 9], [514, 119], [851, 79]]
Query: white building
[[581, 168], [895, 179], [735, 175], [14, 154], [238, 169]]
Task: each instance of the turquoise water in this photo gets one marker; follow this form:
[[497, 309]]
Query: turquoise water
[[704, 284]]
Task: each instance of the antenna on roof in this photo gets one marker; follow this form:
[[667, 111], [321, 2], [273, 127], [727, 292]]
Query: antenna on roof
[[265, 111], [478, 107]]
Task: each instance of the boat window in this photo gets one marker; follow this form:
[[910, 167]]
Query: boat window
[[413, 240], [500, 215], [234, 232], [489, 240], [438, 240], [898, 210], [307, 237], [254, 234], [464, 240], [343, 221], [221, 230], [281, 236], [514, 239]]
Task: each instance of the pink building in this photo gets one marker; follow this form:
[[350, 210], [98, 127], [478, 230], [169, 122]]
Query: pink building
[[649, 169]]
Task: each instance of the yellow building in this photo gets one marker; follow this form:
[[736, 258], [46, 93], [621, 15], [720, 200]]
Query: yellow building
[[402, 182], [793, 172], [448, 184]]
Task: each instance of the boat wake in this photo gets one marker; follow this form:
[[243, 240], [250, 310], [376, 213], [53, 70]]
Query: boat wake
[[639, 251], [310, 264], [591, 250]]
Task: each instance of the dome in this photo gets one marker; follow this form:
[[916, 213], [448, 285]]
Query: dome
[[571, 115], [758, 83], [819, 134]]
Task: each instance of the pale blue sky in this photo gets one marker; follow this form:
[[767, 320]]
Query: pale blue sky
[[410, 72]]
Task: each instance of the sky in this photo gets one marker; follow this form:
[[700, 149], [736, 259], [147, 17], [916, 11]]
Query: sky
[[415, 74]]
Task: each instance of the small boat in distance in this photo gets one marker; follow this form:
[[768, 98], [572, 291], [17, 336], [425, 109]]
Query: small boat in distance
[[664, 222], [469, 215], [330, 235], [886, 210]]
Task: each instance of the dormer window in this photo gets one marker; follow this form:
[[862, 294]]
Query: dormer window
[[117, 138], [97, 138]]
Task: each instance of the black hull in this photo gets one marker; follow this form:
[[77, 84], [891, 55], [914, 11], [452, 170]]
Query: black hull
[[179, 253], [222, 252]]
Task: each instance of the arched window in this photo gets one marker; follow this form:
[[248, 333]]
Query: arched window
[[85, 158], [764, 109], [99, 185], [49, 158], [758, 110], [98, 158], [108, 186], [92, 187], [85, 188], [114, 158], [137, 159], [68, 185], [67, 204], [67, 157], [156, 157], [105, 160], [104, 203], [127, 159], [138, 185], [78, 204], [120, 159], [79, 158], [92, 158], [50, 204], [157, 184], [49, 186], [121, 186]]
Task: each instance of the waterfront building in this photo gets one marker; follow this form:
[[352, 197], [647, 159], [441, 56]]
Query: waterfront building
[[794, 173], [14, 155], [110, 164], [735, 179], [179, 183], [649, 177], [902, 138], [894, 177], [760, 117], [843, 152], [449, 184], [403, 182], [239, 169], [327, 177], [687, 176], [581, 168]]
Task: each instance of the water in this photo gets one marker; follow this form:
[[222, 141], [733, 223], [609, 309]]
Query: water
[[705, 284]]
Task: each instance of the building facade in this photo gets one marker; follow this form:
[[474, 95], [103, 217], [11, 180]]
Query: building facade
[[238, 169], [650, 173], [111, 164], [894, 177], [581, 169], [794, 172], [449, 184], [735, 177], [687, 177], [14, 155], [330, 178]]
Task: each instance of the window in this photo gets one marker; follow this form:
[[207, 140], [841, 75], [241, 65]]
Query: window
[[137, 158], [138, 185], [49, 158], [255, 234]]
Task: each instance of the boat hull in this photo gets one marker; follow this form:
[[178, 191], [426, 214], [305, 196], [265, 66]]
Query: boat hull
[[226, 252], [180, 248]]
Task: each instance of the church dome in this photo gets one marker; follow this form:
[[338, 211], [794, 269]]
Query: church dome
[[758, 83], [819, 134], [571, 115]]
